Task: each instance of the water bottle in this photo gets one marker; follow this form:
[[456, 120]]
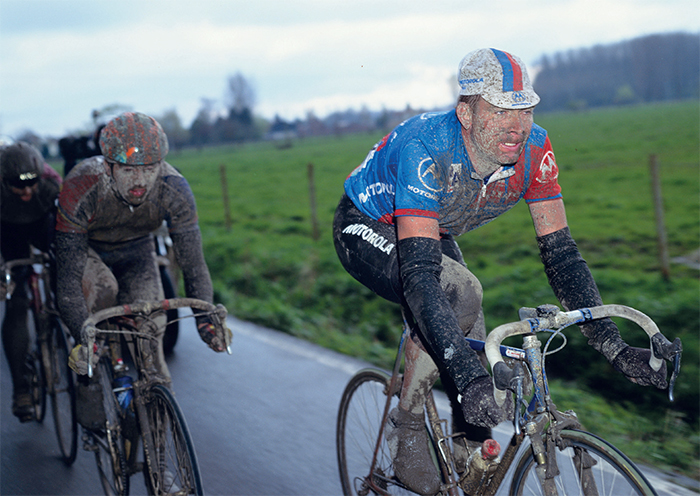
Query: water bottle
[[123, 386], [481, 465]]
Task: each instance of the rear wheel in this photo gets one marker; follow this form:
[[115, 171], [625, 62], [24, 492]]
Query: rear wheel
[[588, 465], [61, 388], [360, 418], [171, 465]]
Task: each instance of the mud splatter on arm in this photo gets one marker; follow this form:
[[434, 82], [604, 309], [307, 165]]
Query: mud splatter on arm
[[190, 257]]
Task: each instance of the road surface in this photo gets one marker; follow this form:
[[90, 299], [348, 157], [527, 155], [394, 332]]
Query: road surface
[[262, 421]]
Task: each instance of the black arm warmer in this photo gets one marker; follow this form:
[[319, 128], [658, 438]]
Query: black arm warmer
[[575, 288], [420, 264], [71, 257]]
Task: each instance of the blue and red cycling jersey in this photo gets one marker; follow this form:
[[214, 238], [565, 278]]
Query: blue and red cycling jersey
[[422, 169]]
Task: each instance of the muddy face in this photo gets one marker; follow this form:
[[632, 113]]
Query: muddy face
[[26, 193], [492, 135], [133, 182]]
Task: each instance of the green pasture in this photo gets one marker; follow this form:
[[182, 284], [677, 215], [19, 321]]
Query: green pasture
[[268, 269]]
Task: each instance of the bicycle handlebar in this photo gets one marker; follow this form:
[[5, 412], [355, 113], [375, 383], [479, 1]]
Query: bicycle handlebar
[[36, 258], [550, 317], [145, 308]]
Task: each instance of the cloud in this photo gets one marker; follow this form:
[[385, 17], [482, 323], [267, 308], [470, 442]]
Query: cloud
[[73, 56]]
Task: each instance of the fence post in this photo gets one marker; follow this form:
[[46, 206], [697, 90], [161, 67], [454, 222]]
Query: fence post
[[224, 195], [659, 213], [312, 200]]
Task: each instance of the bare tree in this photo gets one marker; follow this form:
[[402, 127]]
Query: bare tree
[[240, 94]]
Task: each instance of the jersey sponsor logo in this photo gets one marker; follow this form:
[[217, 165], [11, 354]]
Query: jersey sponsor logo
[[428, 174], [420, 192], [376, 189], [371, 237], [548, 168]]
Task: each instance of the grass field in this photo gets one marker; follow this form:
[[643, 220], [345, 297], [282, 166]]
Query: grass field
[[268, 269]]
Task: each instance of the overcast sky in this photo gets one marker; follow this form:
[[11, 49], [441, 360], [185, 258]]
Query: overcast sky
[[60, 59]]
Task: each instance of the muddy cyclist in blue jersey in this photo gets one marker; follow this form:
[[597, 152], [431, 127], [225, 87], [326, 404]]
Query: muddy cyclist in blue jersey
[[435, 177]]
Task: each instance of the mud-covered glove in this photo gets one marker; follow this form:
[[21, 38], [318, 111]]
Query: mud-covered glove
[[479, 406], [633, 363], [78, 359], [212, 335]]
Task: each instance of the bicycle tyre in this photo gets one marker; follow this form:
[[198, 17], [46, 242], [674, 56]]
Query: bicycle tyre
[[359, 417], [60, 385], [613, 472], [173, 466], [37, 383], [109, 444]]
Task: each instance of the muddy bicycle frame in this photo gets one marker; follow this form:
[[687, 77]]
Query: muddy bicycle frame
[[142, 340], [540, 420]]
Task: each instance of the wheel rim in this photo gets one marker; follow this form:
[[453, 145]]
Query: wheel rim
[[359, 419], [612, 472], [61, 388], [174, 467]]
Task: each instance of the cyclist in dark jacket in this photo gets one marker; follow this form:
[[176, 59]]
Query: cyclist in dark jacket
[[27, 217], [108, 209], [434, 177]]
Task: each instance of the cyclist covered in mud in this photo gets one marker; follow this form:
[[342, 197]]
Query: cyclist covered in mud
[[108, 209], [27, 218], [435, 177]]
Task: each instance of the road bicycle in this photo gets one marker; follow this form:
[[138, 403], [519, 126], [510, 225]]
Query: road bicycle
[[144, 429], [48, 358], [549, 453]]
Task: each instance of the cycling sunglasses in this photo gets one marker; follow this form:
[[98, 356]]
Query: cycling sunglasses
[[26, 180]]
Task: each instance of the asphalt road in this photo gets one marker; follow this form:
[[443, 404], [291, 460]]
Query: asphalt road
[[262, 421]]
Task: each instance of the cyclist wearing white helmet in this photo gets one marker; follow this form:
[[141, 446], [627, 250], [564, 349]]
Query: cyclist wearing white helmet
[[108, 209], [27, 217], [435, 177]]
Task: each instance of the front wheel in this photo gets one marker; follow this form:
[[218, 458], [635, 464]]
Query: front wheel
[[360, 418], [60, 384], [171, 462], [588, 465], [107, 441]]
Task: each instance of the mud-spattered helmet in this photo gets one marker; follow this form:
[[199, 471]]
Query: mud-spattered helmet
[[135, 139], [21, 164]]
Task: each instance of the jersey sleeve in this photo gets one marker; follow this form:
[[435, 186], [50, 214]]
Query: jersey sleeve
[[419, 182], [544, 184], [181, 215], [76, 203]]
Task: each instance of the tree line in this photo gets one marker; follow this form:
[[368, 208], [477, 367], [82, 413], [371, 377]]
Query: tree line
[[647, 69]]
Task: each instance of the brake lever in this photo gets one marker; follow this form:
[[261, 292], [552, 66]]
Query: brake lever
[[518, 400], [90, 332], [516, 385], [674, 374]]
